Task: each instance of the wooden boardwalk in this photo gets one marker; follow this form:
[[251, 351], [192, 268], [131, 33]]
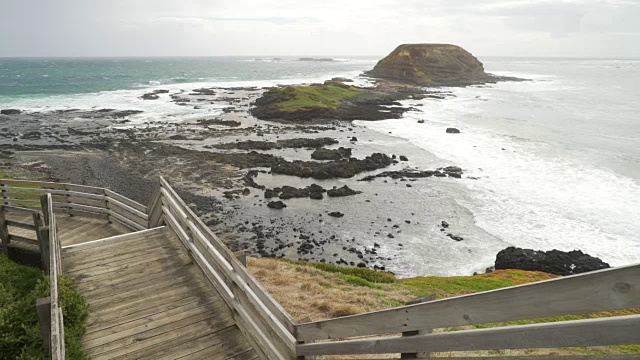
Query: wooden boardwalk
[[147, 300], [161, 285]]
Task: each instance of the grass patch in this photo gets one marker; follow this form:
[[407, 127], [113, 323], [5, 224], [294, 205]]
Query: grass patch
[[371, 276], [459, 285], [20, 338], [303, 97]]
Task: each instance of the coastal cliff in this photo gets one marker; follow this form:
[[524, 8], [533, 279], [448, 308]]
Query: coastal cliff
[[430, 65]]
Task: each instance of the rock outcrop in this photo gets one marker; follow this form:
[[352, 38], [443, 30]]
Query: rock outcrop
[[553, 262], [430, 65]]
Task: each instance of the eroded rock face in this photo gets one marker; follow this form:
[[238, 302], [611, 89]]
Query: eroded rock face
[[553, 262], [430, 64]]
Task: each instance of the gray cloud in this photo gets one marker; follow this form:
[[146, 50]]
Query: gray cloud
[[601, 28]]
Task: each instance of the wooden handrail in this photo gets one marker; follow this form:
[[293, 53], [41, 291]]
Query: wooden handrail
[[77, 199], [622, 330], [266, 323], [56, 333], [603, 290]]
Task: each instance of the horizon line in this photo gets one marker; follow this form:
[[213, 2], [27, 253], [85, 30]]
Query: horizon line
[[301, 56]]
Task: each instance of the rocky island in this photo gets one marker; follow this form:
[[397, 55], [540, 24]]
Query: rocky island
[[431, 65], [406, 73]]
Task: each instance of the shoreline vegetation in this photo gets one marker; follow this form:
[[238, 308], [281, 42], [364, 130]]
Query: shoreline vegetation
[[20, 287]]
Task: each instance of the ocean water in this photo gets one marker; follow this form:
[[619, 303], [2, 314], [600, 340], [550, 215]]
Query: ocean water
[[557, 158]]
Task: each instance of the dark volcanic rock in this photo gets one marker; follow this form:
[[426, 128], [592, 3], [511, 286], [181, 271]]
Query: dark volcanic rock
[[451, 171], [330, 154], [277, 205], [554, 261], [333, 169], [403, 158], [150, 96], [455, 237], [343, 191], [430, 64], [337, 214], [204, 91], [230, 123], [453, 131], [289, 192], [10, 112], [280, 144]]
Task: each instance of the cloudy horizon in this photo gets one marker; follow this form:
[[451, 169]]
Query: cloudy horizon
[[120, 28]]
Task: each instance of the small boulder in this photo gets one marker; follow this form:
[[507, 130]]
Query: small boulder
[[337, 214], [343, 191], [453, 131], [276, 205], [455, 237], [403, 158], [150, 96], [10, 112]]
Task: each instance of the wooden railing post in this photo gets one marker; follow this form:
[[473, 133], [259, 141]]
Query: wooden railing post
[[43, 308], [418, 355], [241, 256], [4, 231], [5, 199], [42, 234]]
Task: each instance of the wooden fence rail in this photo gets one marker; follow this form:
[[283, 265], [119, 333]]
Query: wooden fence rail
[[7, 235], [54, 264], [266, 323], [76, 200]]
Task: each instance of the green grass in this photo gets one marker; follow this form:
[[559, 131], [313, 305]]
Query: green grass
[[20, 338], [459, 285], [302, 97], [356, 276]]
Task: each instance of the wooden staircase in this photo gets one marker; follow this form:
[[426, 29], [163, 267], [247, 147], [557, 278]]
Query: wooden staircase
[[147, 300]]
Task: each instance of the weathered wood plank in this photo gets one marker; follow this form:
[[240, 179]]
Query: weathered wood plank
[[20, 225], [125, 200], [126, 209], [211, 239], [99, 324], [182, 346], [187, 283], [126, 221], [13, 237], [199, 323], [610, 289], [623, 330], [149, 322], [51, 185]]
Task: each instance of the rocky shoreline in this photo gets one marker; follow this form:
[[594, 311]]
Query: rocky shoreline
[[305, 183], [218, 166]]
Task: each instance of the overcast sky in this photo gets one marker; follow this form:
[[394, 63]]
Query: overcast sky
[[572, 28]]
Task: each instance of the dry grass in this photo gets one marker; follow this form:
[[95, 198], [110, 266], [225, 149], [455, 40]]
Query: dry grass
[[310, 294]]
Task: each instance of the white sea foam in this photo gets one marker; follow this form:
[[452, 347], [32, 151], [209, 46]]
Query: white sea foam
[[163, 108], [530, 193]]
